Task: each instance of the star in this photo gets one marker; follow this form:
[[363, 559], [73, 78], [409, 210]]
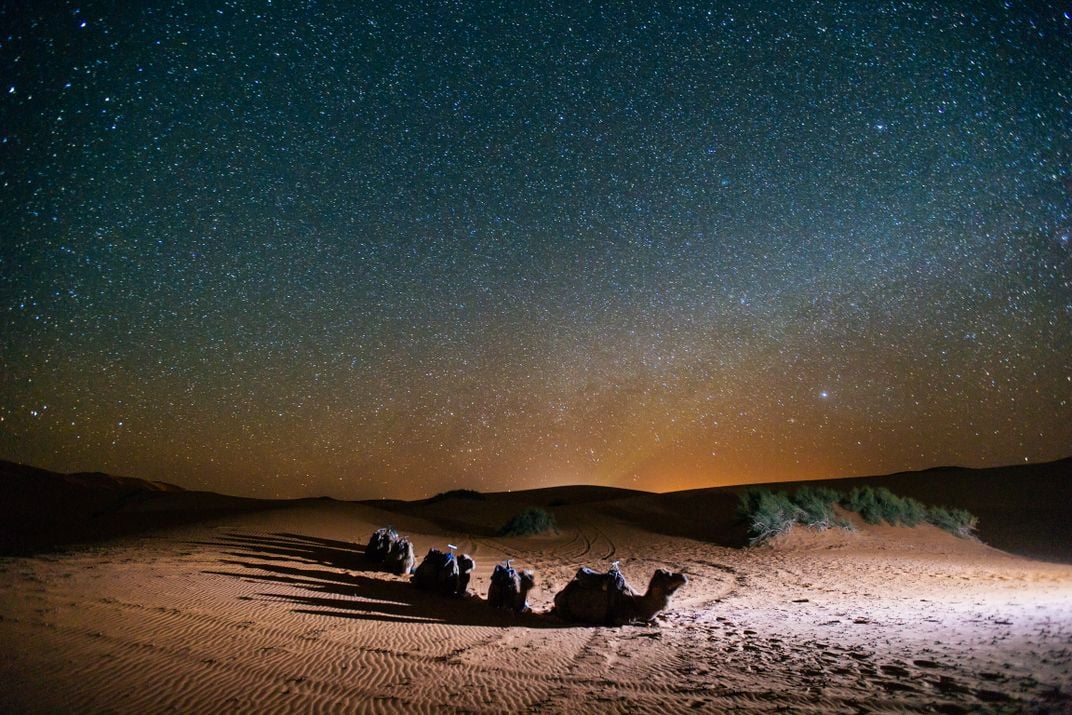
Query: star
[[504, 247]]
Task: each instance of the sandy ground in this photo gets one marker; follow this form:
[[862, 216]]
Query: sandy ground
[[279, 612]]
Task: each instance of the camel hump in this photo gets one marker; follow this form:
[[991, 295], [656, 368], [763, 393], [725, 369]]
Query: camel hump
[[503, 574], [587, 579], [592, 596]]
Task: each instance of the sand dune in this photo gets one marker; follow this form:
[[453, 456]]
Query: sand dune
[[276, 610], [42, 510]]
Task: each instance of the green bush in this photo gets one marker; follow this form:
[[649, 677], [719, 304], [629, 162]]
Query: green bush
[[863, 501], [913, 512], [767, 513], [816, 506], [770, 513], [843, 523], [956, 521], [533, 520], [877, 505]]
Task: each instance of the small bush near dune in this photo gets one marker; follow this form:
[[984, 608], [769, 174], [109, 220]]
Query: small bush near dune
[[767, 513], [770, 513], [956, 521], [913, 513], [816, 506], [864, 502], [533, 520], [877, 505]]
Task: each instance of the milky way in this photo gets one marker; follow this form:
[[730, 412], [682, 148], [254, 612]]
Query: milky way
[[284, 249]]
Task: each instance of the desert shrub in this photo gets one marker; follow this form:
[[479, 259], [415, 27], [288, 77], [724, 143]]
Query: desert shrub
[[824, 493], [748, 501], [843, 523], [890, 506], [913, 512], [855, 498], [533, 520], [770, 513], [767, 513], [864, 502], [816, 506], [471, 494], [877, 505], [958, 522]]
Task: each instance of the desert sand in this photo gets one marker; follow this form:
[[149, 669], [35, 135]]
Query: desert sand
[[276, 610]]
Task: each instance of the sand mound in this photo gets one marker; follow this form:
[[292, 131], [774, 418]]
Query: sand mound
[[278, 611], [42, 510], [251, 609]]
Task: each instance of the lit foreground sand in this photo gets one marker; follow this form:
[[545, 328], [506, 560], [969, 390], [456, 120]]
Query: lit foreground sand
[[276, 612]]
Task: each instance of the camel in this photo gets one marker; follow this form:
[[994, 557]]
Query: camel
[[393, 551], [444, 572], [606, 599], [466, 566], [379, 543], [510, 587], [400, 558]]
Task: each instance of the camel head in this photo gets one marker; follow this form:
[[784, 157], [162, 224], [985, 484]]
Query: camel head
[[666, 582]]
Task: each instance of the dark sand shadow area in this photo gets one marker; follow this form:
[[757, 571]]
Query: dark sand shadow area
[[352, 586]]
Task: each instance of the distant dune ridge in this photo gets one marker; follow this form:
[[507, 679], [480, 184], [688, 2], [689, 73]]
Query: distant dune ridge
[[42, 509], [1024, 509], [209, 603]]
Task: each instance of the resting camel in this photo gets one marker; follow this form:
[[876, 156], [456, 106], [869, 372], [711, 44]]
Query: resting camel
[[510, 587], [444, 572], [379, 543], [606, 599], [400, 559], [393, 551]]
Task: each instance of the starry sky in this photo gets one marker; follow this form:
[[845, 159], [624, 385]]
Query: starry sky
[[352, 249]]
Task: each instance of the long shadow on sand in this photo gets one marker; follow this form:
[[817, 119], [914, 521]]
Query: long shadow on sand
[[292, 547], [350, 586]]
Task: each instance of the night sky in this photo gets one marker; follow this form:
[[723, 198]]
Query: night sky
[[304, 248]]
